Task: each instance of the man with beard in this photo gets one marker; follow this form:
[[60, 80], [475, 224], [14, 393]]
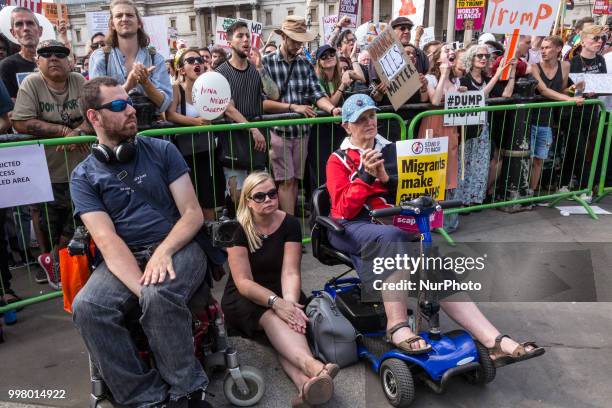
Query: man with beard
[[26, 29], [299, 89], [148, 261], [249, 81], [46, 107], [127, 57]]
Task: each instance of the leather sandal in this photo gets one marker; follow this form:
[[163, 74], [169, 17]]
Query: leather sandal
[[520, 353], [404, 345], [317, 390], [330, 369]]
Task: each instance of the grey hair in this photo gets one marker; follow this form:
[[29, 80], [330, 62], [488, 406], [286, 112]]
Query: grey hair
[[468, 56], [23, 10]]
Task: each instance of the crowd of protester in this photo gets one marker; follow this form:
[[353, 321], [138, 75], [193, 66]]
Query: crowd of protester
[[41, 94]]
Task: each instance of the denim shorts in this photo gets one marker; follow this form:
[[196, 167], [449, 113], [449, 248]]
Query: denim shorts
[[541, 139]]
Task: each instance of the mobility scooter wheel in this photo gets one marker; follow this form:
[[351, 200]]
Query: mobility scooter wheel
[[255, 382], [104, 404], [397, 383], [486, 372]]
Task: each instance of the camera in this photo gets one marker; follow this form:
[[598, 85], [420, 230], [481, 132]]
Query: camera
[[80, 241], [223, 231]]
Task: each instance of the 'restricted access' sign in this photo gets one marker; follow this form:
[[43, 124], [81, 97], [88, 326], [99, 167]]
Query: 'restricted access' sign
[[463, 100], [393, 67], [421, 168], [24, 176]]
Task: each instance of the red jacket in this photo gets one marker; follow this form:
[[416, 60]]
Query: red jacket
[[350, 188]]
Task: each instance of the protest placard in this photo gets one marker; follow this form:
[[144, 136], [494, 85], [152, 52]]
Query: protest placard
[[393, 67], [530, 17], [428, 36], [329, 23], [594, 83], [367, 32], [602, 7], [156, 28], [97, 22], [34, 5], [421, 168], [349, 8], [462, 100], [470, 10], [413, 9], [24, 176], [223, 24]]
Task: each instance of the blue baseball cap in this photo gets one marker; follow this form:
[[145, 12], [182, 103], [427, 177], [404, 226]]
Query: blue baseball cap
[[355, 105], [322, 49]]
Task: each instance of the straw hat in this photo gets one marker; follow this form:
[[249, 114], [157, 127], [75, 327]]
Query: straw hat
[[294, 27]]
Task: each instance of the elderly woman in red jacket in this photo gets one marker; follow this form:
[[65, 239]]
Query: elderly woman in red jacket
[[358, 182]]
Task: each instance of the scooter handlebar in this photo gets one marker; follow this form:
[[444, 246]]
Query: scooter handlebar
[[391, 211], [450, 204]]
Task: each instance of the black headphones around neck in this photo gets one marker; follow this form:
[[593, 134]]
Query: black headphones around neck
[[124, 152]]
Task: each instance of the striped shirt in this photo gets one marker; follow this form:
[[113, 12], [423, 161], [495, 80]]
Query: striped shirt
[[303, 87], [246, 86]]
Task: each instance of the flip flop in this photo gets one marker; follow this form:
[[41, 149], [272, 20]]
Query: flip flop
[[404, 345], [520, 353], [318, 390]]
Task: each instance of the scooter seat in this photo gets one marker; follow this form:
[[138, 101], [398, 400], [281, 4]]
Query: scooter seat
[[365, 317]]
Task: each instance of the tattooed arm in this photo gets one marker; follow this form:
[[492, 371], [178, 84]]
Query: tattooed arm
[[269, 86], [40, 128]]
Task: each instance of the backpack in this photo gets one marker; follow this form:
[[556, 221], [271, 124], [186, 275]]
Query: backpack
[[332, 337]]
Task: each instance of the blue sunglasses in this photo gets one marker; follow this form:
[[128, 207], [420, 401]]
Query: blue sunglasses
[[118, 105]]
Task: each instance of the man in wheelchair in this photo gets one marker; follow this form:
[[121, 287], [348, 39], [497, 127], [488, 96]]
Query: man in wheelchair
[[123, 193], [358, 182]]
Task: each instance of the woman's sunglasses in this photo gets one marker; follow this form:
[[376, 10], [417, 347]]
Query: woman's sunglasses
[[194, 60], [261, 197], [328, 55], [96, 45], [483, 56], [118, 105], [47, 55]]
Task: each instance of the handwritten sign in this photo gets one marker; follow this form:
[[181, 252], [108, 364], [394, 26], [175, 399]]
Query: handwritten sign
[[24, 176], [428, 36], [530, 17], [329, 23], [156, 28], [421, 168], [367, 32], [394, 68], [349, 8], [413, 9], [97, 22], [462, 100], [470, 10], [594, 83], [223, 23]]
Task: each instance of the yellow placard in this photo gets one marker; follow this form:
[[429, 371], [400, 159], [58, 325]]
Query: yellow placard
[[421, 168]]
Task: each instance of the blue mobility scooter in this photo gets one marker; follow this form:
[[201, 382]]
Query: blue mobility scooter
[[452, 353]]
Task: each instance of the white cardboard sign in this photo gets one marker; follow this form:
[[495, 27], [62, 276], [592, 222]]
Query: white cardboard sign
[[157, 29], [24, 176], [594, 83], [530, 17], [461, 100], [97, 22]]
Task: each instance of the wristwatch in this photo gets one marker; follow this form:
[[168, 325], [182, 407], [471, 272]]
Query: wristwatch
[[271, 300]]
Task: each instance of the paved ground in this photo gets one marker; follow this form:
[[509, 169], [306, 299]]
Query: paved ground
[[44, 351]]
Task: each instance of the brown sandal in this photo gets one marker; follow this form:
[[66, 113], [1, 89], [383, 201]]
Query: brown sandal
[[404, 345], [330, 369], [317, 390], [520, 353]]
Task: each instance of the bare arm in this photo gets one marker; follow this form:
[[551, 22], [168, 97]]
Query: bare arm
[[238, 259], [436, 95], [173, 116], [291, 277], [115, 251], [5, 123], [181, 234], [275, 106], [546, 91], [153, 93], [235, 115], [269, 86]]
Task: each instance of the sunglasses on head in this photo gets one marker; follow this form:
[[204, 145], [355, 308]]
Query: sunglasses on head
[[483, 56], [404, 27], [194, 60], [57, 54], [329, 54], [118, 105], [261, 197], [96, 45]]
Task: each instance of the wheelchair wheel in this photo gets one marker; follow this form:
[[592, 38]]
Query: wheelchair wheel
[[254, 380], [486, 372], [397, 383]]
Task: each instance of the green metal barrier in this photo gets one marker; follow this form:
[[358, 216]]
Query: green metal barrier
[[554, 197], [602, 190], [171, 132]]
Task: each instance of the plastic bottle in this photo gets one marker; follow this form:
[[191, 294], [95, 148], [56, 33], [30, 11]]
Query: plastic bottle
[[10, 317]]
